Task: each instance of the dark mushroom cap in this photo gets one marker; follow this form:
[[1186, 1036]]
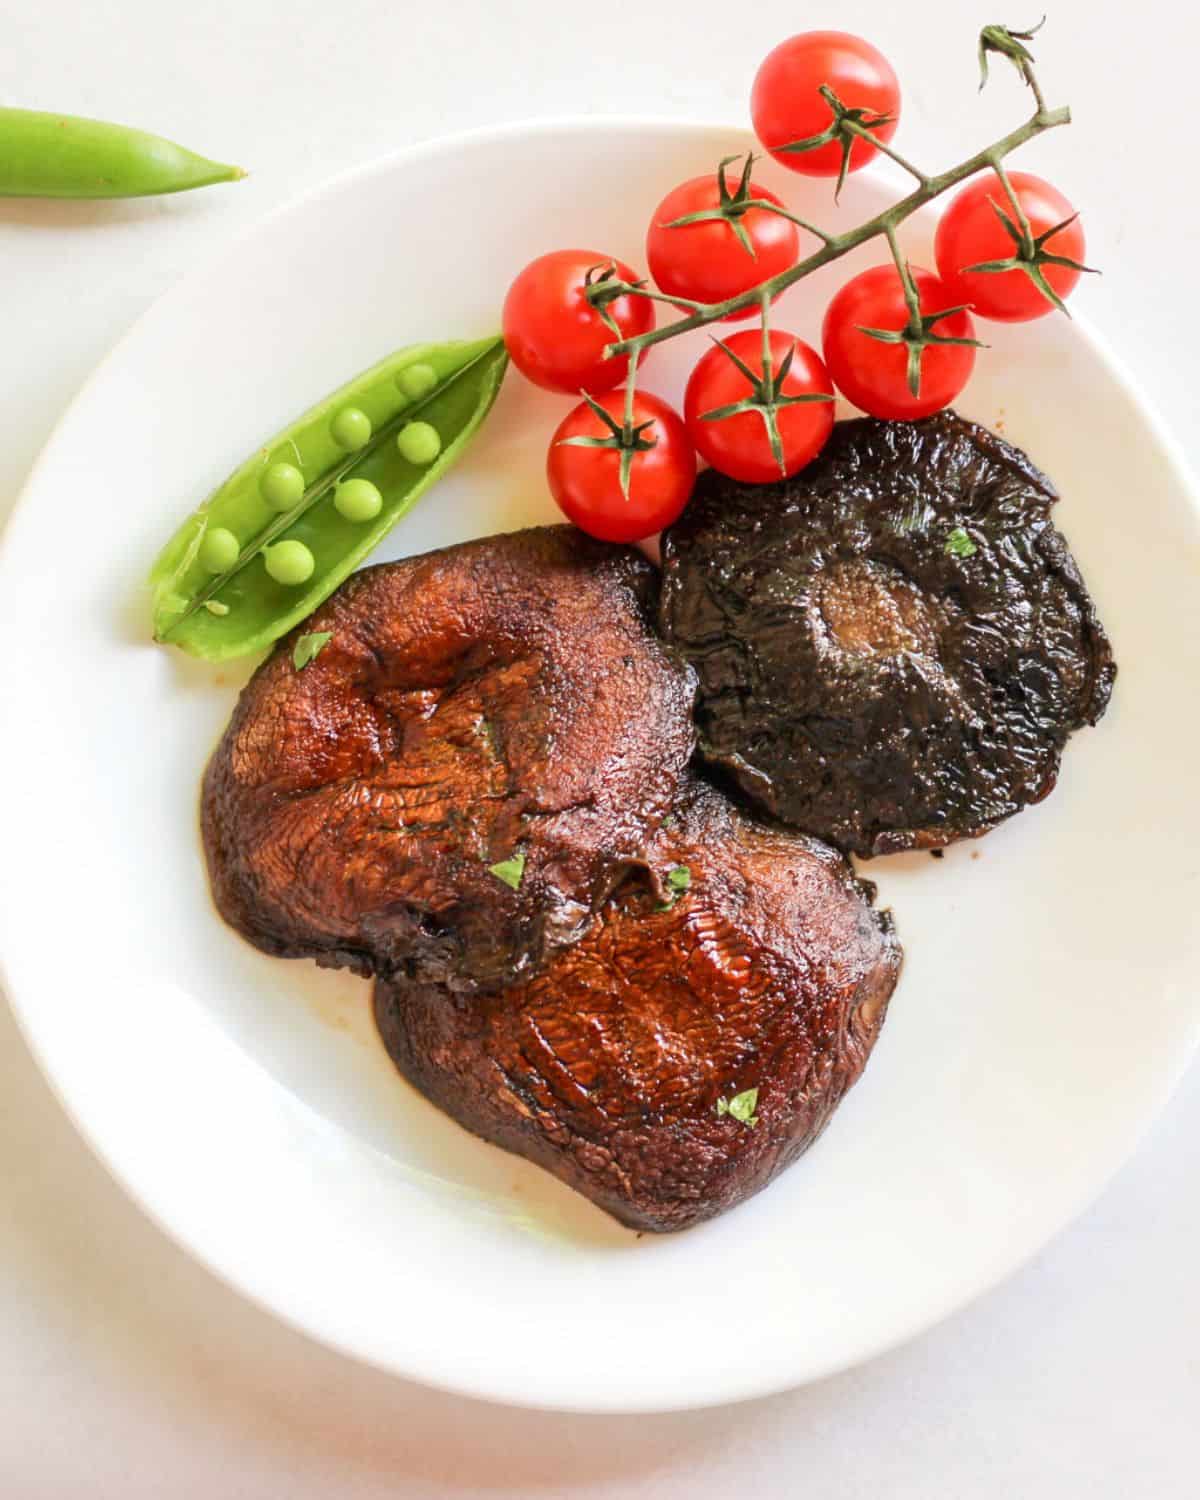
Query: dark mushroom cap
[[894, 645]]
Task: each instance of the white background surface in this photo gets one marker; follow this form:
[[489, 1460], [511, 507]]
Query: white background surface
[[125, 1371]]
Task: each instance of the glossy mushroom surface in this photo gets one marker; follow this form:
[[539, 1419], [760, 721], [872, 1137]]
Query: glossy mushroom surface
[[465, 770], [694, 1042]]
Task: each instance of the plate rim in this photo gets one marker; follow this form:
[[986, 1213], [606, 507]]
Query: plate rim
[[24, 1007]]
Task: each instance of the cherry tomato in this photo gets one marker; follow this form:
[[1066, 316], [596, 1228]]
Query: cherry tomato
[[740, 445], [586, 481], [786, 106], [971, 232], [555, 336], [874, 375], [711, 260]]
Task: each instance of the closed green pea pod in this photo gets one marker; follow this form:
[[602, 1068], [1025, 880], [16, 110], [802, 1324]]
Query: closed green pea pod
[[64, 156], [260, 608]]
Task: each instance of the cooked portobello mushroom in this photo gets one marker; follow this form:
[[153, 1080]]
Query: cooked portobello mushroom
[[741, 958], [893, 646], [464, 772]]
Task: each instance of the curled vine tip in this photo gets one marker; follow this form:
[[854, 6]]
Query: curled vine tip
[[1009, 43]]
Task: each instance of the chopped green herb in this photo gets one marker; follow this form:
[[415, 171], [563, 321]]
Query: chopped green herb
[[679, 877], [309, 647], [215, 607], [509, 871], [741, 1107], [669, 821], [959, 544]]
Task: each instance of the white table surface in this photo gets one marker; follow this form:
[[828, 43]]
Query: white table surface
[[125, 1370]]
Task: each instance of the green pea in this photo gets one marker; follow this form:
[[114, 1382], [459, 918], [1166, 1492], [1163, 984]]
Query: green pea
[[351, 429], [282, 486], [418, 443], [417, 381], [219, 550], [290, 563], [357, 500]]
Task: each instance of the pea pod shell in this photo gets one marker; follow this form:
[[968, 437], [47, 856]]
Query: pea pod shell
[[261, 610], [65, 156]]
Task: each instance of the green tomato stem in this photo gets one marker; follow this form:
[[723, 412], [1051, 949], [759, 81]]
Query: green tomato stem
[[912, 300], [773, 208], [869, 135], [641, 291], [1022, 219]]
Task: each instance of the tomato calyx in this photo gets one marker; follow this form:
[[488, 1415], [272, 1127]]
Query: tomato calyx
[[766, 393], [733, 205], [918, 339], [918, 333], [1031, 253], [602, 285], [847, 124], [626, 437]]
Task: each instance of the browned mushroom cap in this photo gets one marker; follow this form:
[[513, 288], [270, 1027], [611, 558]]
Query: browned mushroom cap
[[893, 646], [744, 959], [502, 703]]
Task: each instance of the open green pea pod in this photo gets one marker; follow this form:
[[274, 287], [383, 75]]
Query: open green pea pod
[[224, 585]]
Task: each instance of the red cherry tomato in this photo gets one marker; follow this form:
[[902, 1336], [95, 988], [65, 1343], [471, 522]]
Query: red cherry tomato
[[786, 106], [874, 375], [740, 445], [586, 481], [555, 336], [708, 261], [971, 232]]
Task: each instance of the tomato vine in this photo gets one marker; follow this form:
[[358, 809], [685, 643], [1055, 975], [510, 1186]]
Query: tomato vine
[[847, 125]]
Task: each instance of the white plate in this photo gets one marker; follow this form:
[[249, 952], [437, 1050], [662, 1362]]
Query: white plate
[[1048, 1002]]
